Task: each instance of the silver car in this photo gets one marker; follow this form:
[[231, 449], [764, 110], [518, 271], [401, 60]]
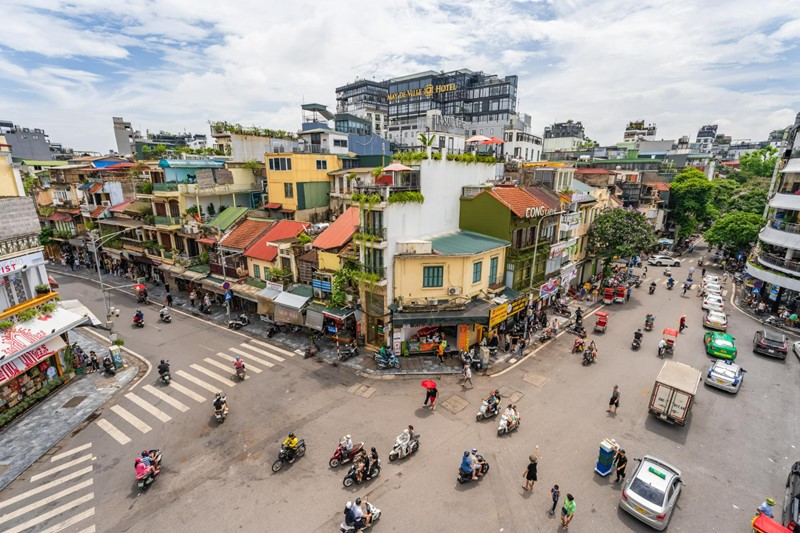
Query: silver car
[[664, 260], [725, 375], [651, 493]]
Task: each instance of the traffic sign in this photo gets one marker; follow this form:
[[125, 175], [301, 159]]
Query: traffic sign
[[228, 296], [226, 285]]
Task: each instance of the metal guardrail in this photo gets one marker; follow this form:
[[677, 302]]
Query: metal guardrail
[[778, 261]]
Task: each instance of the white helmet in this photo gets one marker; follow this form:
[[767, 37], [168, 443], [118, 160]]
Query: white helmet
[[347, 437], [349, 505]]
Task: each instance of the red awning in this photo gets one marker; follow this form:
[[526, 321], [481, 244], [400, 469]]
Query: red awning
[[59, 217], [287, 210], [272, 206], [207, 240]]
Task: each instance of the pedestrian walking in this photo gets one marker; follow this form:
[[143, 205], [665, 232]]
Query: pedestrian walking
[[530, 472], [567, 511], [95, 362], [595, 294], [682, 325], [555, 327], [628, 294], [555, 493], [169, 299], [621, 462], [192, 297], [703, 272], [614, 401], [166, 287], [685, 288], [440, 352], [207, 301], [430, 395], [467, 375], [77, 264], [644, 274]]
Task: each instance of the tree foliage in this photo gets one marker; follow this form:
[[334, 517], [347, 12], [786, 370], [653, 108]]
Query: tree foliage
[[736, 230], [620, 233], [750, 201], [760, 163], [692, 193]]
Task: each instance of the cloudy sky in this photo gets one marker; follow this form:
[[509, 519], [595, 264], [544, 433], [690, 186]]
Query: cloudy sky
[[69, 66]]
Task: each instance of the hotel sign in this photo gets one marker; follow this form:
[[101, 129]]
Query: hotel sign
[[429, 90]]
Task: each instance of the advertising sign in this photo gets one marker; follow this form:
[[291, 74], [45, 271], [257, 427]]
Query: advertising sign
[[503, 311]]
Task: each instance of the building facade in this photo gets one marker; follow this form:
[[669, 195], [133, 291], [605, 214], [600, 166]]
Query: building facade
[[26, 143], [366, 99]]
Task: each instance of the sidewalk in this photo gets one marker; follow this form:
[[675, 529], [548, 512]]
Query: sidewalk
[[37, 431]]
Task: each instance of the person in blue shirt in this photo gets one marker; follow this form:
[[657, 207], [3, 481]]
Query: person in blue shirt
[[466, 465], [766, 507]]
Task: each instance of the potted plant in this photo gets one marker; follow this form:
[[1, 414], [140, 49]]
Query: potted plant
[[43, 288]]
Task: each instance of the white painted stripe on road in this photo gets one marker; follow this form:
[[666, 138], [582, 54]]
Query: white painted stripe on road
[[252, 357], [72, 521], [131, 418], [50, 514], [272, 347], [67, 453], [46, 486], [246, 362], [223, 367], [188, 392], [113, 432], [199, 382], [62, 466], [213, 375], [44, 501], [150, 408], [166, 398], [262, 352]]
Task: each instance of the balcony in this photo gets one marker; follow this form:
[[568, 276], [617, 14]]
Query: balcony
[[167, 221], [784, 226], [196, 189], [372, 270], [19, 244], [373, 231], [779, 263], [782, 238], [310, 149], [770, 274], [786, 201], [166, 189], [38, 300], [384, 191]]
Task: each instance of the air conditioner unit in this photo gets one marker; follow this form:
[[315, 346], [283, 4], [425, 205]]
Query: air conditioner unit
[[433, 301], [307, 247], [319, 293], [106, 203], [454, 291]]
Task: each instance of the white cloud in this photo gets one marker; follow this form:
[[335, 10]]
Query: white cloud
[[173, 64]]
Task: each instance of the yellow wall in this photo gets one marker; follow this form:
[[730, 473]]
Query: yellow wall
[[408, 271], [328, 261], [8, 181], [263, 266], [304, 170]]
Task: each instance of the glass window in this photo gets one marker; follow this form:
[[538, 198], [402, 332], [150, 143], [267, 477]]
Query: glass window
[[493, 270], [322, 164], [477, 267], [256, 271], [288, 190], [433, 276]]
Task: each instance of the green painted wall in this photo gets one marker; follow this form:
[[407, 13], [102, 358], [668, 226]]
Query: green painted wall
[[484, 214], [313, 194]]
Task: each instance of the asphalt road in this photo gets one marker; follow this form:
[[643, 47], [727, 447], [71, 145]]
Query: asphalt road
[[734, 450]]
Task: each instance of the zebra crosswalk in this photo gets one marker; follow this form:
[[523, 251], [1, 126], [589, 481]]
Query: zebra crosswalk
[[136, 413], [68, 486], [678, 284]]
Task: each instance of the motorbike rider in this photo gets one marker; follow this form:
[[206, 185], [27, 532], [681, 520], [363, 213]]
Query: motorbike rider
[[662, 346], [578, 318], [652, 286], [511, 415], [637, 336], [682, 325], [238, 363], [671, 282], [493, 401], [468, 467], [592, 349], [107, 363], [372, 460], [477, 462], [143, 469], [291, 446], [360, 461], [362, 520], [766, 507], [347, 445], [164, 313], [163, 368], [221, 403], [139, 316], [349, 515], [149, 457]]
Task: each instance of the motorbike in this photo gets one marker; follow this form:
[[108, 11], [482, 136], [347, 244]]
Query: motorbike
[[636, 344], [546, 335], [648, 325], [400, 450], [144, 481], [165, 377], [473, 358], [773, 321], [587, 358], [273, 329], [240, 372], [562, 309], [138, 322], [652, 288], [284, 458], [238, 322], [165, 318], [339, 457], [485, 411], [386, 361], [579, 345], [506, 425], [141, 299], [221, 414], [575, 328], [311, 351], [109, 367], [347, 351], [464, 477], [371, 509], [352, 477], [670, 284]]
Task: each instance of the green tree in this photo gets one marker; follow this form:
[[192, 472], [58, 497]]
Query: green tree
[[620, 233], [761, 162], [722, 192], [750, 201], [46, 235], [740, 176], [426, 140], [736, 230], [30, 183], [692, 194]]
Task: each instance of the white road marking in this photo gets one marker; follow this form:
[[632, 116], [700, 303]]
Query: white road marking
[[72, 521], [46, 486], [166, 398], [252, 357], [199, 382], [150, 408], [113, 432], [62, 466], [50, 514], [272, 347], [188, 392], [67, 453], [250, 368], [44, 501], [228, 368], [131, 418], [262, 352], [213, 375]]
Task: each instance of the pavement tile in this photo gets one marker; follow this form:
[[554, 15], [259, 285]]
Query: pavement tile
[[455, 404], [535, 379]]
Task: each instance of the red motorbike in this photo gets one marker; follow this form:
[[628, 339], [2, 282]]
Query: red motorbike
[[339, 457]]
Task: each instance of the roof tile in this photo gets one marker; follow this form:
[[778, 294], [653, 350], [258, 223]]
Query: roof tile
[[278, 231], [515, 199], [339, 232], [247, 232]]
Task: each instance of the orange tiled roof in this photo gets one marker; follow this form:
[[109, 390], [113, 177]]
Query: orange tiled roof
[[98, 211], [339, 232], [659, 185], [280, 230], [247, 232], [515, 199]]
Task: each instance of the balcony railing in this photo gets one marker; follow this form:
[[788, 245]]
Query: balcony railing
[[779, 262], [165, 187], [384, 191], [197, 189], [39, 299], [784, 226], [167, 221], [374, 231], [380, 271], [310, 149]]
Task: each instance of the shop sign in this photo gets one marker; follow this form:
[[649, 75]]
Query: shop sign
[[19, 263], [463, 337], [569, 276], [548, 288], [27, 360], [506, 310], [397, 341], [274, 286], [429, 90], [773, 293], [570, 220], [536, 212]]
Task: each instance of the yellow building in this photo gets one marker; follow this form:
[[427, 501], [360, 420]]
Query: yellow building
[[10, 181], [298, 184]]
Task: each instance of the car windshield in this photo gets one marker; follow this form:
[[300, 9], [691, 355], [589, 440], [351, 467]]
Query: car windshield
[[777, 343], [723, 343], [648, 492]]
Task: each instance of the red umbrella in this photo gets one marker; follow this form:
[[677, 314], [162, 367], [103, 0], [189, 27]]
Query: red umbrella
[[429, 384], [493, 140], [139, 287]]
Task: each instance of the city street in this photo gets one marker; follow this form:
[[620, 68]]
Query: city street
[[734, 451]]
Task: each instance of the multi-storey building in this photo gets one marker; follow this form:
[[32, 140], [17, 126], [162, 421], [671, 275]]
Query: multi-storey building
[[124, 136], [637, 130], [705, 137], [26, 143], [366, 99], [566, 136]]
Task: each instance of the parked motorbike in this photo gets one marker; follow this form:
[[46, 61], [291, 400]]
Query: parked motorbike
[[352, 476], [339, 457], [284, 457], [109, 366], [773, 321], [144, 481], [546, 335], [386, 361], [273, 330], [486, 412], [400, 449], [575, 328], [347, 351], [506, 425], [464, 477], [238, 322], [371, 509], [562, 309]]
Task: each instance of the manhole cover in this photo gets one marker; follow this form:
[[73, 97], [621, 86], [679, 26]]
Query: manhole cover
[[360, 389], [512, 395], [535, 379], [74, 401], [455, 404]]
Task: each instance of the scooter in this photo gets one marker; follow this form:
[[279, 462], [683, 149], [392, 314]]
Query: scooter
[[371, 509], [386, 361], [221, 414], [144, 481], [273, 329], [579, 345], [339, 457], [110, 367], [464, 477], [587, 358], [670, 284], [652, 288], [165, 377], [311, 351], [347, 351], [636, 344], [575, 328], [546, 335], [238, 322], [400, 450], [352, 476], [486, 412], [240, 372], [562, 309], [164, 318], [283, 457], [138, 322], [506, 425]]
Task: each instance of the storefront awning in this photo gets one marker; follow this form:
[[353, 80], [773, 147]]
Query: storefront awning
[[474, 313], [27, 360], [32, 333], [79, 309], [269, 294], [314, 316], [292, 301], [246, 292]]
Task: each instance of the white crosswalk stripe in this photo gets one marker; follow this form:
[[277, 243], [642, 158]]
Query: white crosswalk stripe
[[213, 375], [252, 357], [46, 486], [113, 431], [188, 392], [50, 514], [89, 529], [63, 466], [196, 381], [262, 352], [152, 409], [72, 521], [250, 368], [223, 367], [131, 418], [166, 398], [273, 347], [44, 501], [67, 453]]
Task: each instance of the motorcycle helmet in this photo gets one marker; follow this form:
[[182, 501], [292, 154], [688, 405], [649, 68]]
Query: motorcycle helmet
[[238, 358], [349, 505], [466, 454], [291, 435], [347, 437], [358, 501], [770, 501], [163, 362], [373, 450], [137, 461], [474, 450], [497, 392]]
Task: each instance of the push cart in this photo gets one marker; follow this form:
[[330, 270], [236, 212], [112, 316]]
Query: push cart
[[608, 295], [670, 336], [602, 321]]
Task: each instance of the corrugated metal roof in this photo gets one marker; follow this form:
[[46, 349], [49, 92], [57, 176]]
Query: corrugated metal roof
[[339, 232], [225, 219], [465, 243]]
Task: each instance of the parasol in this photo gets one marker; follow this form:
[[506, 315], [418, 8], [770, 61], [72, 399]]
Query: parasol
[[429, 384], [477, 139], [139, 287], [397, 167]]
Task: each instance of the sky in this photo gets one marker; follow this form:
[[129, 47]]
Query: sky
[[69, 66]]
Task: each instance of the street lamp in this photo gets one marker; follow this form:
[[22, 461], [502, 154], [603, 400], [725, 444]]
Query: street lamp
[[106, 297]]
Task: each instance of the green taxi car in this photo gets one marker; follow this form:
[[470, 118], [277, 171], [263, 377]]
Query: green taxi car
[[720, 345]]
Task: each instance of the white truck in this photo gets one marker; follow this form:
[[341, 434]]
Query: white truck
[[674, 391]]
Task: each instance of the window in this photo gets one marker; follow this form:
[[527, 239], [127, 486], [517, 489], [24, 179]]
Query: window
[[280, 163], [322, 164], [477, 266], [433, 276], [336, 142], [256, 271], [288, 190], [493, 270]]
